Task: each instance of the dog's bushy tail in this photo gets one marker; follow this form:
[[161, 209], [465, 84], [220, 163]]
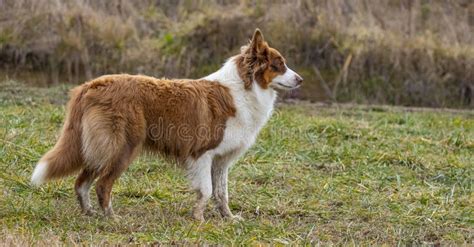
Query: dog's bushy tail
[[65, 158]]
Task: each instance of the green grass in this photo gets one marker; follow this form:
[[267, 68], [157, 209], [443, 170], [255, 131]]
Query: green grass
[[365, 175]]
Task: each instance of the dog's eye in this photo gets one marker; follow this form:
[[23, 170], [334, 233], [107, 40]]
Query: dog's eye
[[274, 67]]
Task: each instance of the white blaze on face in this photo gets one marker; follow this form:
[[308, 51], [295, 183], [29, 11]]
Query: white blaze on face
[[289, 80]]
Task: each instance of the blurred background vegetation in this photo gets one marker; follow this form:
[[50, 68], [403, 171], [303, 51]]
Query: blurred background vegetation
[[403, 52]]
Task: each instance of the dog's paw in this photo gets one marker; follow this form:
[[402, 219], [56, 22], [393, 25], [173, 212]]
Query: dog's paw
[[115, 218], [236, 218], [112, 217], [199, 217], [89, 212], [233, 217]]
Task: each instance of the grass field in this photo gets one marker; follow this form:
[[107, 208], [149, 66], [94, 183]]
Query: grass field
[[341, 175]]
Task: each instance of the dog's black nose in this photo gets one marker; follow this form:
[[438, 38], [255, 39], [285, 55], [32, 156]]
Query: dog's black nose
[[299, 80]]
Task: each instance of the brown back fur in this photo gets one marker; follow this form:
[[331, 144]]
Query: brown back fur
[[177, 118]]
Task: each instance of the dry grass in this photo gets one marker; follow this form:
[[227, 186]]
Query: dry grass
[[404, 52]]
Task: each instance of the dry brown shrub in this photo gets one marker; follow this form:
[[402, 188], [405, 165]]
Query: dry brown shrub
[[408, 52]]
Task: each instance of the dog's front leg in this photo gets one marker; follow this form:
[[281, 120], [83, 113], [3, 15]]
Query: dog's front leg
[[199, 173], [220, 169]]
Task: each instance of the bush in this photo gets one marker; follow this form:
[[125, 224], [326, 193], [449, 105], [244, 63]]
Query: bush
[[404, 52]]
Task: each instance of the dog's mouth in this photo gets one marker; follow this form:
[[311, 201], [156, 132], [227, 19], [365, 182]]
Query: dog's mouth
[[288, 87]]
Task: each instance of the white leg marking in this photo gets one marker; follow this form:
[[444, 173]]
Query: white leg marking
[[84, 193], [220, 169], [199, 173]]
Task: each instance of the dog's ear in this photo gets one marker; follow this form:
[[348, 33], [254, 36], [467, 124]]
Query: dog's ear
[[254, 59], [258, 45]]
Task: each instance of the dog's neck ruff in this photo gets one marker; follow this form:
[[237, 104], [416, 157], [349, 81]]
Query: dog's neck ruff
[[256, 102]]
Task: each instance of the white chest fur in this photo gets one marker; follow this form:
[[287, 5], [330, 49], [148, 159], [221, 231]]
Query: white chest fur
[[208, 174], [254, 108]]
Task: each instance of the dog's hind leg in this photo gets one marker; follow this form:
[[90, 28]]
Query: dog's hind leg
[[110, 175], [111, 142], [82, 187], [199, 173]]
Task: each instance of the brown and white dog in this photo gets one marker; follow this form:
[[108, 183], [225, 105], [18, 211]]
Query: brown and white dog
[[205, 125]]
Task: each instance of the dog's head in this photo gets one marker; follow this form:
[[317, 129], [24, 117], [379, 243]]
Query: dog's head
[[261, 64]]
